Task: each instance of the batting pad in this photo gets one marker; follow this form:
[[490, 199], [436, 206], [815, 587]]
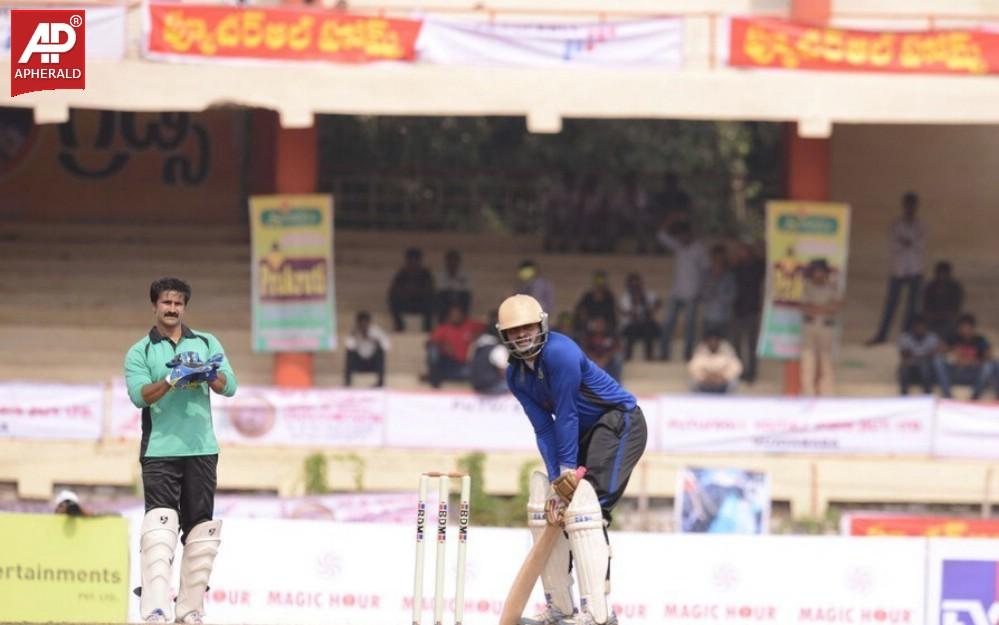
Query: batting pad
[[585, 525], [196, 566], [156, 547], [555, 577]]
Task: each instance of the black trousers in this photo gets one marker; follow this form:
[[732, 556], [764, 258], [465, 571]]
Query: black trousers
[[610, 450], [357, 364], [185, 484]]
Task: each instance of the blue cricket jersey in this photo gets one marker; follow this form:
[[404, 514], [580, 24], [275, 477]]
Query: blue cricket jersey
[[563, 396]]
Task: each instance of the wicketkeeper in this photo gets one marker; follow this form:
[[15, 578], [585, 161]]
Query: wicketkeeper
[[169, 373], [581, 418]]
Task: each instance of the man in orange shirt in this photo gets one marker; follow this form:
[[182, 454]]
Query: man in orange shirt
[[447, 349]]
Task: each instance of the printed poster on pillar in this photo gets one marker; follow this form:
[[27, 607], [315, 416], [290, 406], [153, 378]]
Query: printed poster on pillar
[[292, 273], [797, 234]]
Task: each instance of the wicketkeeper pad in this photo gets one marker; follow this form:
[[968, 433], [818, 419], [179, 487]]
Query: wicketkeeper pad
[[200, 549], [157, 544]]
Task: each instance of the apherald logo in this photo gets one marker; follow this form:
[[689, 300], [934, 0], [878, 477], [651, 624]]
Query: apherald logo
[[969, 594], [50, 50]]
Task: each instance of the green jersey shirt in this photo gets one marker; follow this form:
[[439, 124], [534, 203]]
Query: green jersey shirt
[[180, 422]]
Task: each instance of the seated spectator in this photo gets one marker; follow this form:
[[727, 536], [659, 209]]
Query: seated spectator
[[367, 345], [412, 291], [603, 347], [943, 299], [448, 347], [715, 367], [718, 293], [598, 302], [453, 285], [638, 316], [966, 360], [917, 347], [489, 360], [530, 282]]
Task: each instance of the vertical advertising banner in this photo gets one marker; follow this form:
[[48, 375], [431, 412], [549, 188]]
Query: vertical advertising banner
[[56, 568], [292, 273], [962, 582], [797, 234]]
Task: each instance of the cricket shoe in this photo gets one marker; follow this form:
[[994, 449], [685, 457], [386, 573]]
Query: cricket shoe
[[157, 616], [551, 616], [586, 619], [192, 618]]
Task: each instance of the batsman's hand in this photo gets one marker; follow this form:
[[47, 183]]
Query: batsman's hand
[[566, 483], [555, 510]]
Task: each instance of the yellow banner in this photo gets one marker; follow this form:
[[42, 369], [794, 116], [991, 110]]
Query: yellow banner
[[64, 569], [798, 233], [292, 269]]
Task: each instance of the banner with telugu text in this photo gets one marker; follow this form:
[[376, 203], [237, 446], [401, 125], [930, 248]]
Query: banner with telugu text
[[780, 44], [292, 273], [797, 233], [220, 33]]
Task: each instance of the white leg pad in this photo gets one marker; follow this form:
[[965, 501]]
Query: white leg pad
[[156, 546], [200, 550], [585, 525], [555, 578]]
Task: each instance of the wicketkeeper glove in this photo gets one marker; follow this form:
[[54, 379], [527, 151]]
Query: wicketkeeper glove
[[187, 369]]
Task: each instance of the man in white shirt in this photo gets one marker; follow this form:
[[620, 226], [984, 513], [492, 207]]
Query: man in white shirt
[[907, 241], [690, 268], [366, 347], [715, 367]]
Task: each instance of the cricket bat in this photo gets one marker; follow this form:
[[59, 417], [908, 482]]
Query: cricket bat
[[527, 576]]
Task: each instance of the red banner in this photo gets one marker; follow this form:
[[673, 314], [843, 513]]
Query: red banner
[[785, 45], [276, 34], [884, 525]]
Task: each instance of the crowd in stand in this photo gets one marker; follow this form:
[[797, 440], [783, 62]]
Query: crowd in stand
[[716, 291]]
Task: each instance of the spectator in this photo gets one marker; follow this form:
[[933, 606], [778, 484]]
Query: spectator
[[967, 360], [820, 305], [907, 241], [631, 205], [412, 291], [367, 345], [689, 269], [638, 316], [715, 368], [566, 324], [943, 300], [917, 348], [448, 347], [487, 369], [68, 503], [603, 347], [453, 285], [560, 203], [718, 294], [530, 282], [598, 302], [750, 271]]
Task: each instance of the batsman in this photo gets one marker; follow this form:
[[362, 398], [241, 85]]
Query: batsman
[[582, 418], [170, 374]]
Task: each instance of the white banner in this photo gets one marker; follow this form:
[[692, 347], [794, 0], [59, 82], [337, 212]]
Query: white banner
[[105, 31], [267, 416], [282, 572], [458, 421], [770, 425], [962, 582], [57, 411], [965, 429], [654, 42]]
